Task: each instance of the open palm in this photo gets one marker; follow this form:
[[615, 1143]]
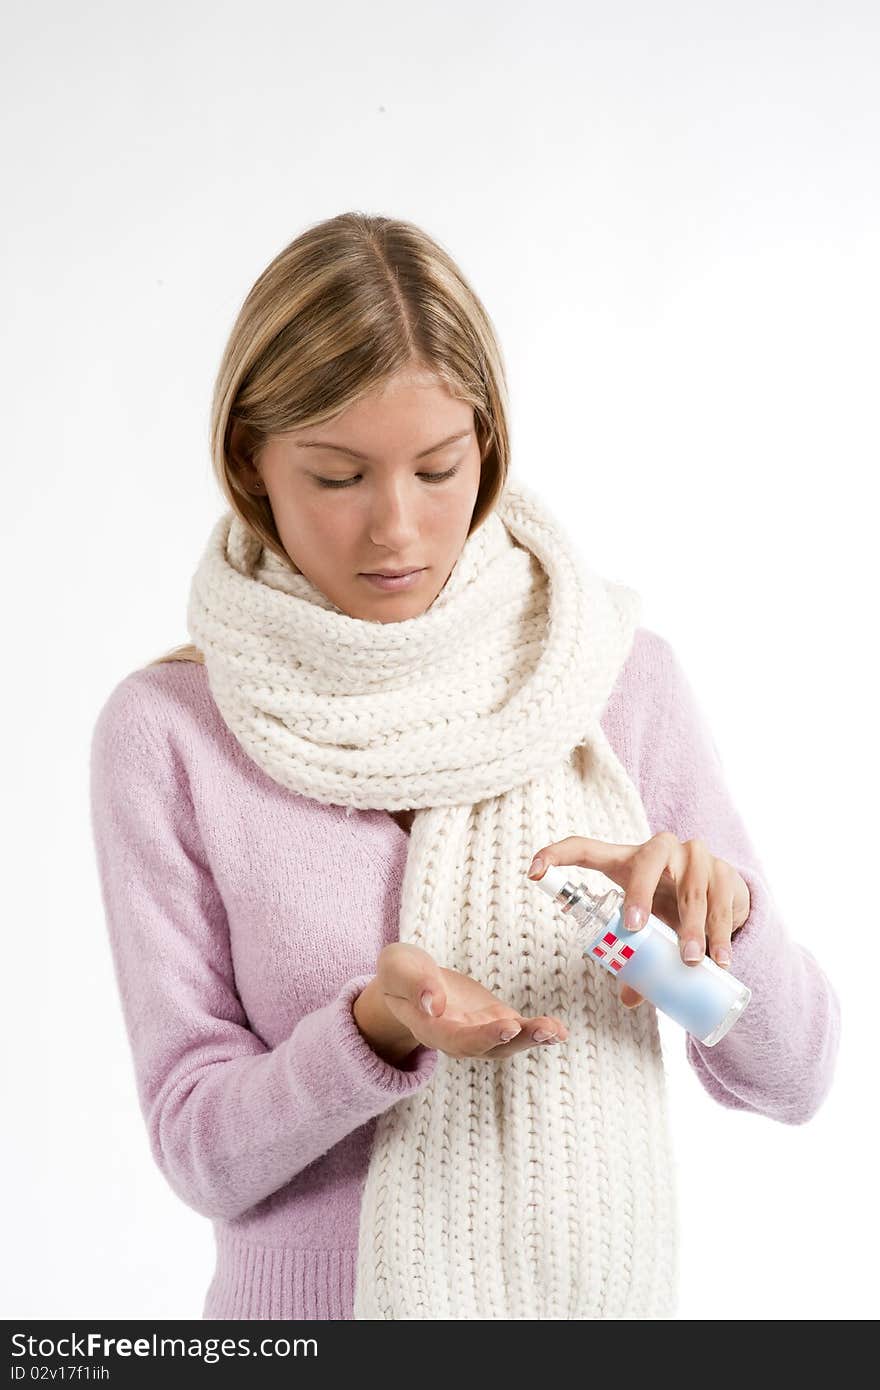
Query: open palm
[[467, 1020]]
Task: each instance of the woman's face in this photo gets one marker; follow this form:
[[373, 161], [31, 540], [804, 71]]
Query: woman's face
[[405, 504]]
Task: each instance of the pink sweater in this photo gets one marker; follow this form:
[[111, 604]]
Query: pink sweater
[[244, 919]]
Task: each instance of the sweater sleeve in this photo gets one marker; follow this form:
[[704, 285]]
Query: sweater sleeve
[[229, 1119], [779, 1058]]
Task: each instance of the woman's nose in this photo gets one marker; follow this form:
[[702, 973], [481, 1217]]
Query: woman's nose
[[393, 523]]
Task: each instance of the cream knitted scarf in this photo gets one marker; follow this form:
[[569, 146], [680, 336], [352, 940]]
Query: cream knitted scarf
[[535, 1186]]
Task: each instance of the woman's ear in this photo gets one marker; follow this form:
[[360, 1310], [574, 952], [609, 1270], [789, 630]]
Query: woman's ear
[[250, 479], [242, 463]]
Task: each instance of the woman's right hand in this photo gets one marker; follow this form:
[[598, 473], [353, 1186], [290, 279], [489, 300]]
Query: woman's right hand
[[466, 1019]]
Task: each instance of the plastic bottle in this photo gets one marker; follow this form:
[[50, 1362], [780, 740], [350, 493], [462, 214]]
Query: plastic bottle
[[705, 999]]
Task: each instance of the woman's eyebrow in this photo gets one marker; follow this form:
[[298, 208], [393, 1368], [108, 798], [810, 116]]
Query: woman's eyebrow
[[353, 453]]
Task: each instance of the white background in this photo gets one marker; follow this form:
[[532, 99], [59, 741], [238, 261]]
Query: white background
[[671, 213]]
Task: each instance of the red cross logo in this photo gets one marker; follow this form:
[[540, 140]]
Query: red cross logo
[[612, 951]]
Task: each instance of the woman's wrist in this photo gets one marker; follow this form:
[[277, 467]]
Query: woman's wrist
[[387, 1036]]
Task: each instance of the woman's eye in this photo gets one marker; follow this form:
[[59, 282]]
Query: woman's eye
[[428, 477]]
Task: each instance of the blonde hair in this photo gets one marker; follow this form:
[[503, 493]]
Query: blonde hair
[[349, 303]]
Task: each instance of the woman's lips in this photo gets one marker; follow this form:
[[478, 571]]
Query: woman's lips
[[394, 582]]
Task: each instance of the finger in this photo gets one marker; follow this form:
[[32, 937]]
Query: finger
[[545, 1029], [719, 914], [629, 997], [692, 896], [540, 1030], [578, 849], [479, 1039], [646, 868], [527, 1038]]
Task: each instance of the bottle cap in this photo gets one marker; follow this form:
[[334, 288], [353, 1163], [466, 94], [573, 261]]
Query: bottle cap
[[553, 880]]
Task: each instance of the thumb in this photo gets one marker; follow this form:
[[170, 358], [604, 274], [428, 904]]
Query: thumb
[[415, 977], [431, 998], [629, 997]]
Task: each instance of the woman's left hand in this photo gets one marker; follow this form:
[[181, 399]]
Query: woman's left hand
[[704, 899]]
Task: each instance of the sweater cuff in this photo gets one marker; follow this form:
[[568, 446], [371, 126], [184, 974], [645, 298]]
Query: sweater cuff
[[365, 1064]]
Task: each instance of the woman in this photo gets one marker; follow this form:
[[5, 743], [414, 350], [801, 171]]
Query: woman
[[365, 1045]]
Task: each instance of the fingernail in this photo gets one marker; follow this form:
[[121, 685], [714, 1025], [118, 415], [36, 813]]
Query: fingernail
[[536, 868], [634, 917], [510, 1033], [693, 950], [722, 955], [543, 1035], [425, 1001]]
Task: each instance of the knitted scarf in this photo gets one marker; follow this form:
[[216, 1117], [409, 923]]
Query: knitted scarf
[[539, 1185]]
